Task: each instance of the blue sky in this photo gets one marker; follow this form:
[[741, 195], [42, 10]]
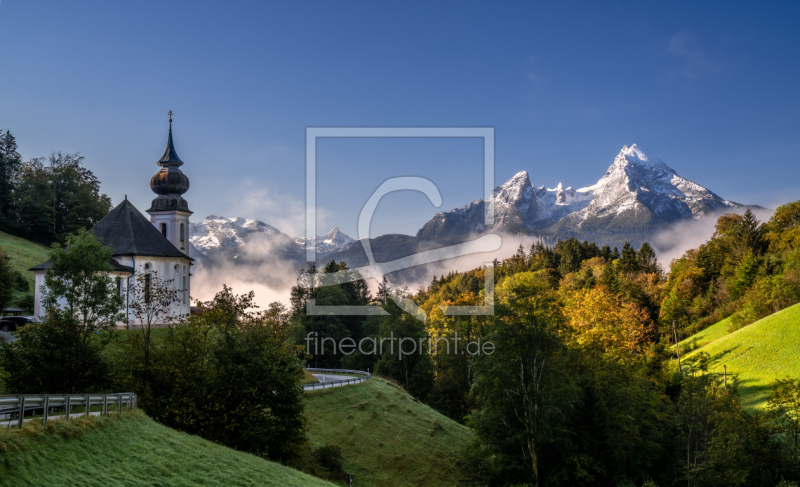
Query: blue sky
[[709, 87]]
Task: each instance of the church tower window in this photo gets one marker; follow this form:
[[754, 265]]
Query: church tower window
[[181, 232], [164, 229]]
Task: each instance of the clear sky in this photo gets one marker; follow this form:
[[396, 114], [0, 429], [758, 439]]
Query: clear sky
[[709, 87]]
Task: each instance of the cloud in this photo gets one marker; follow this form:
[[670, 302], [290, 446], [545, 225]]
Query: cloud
[[251, 199], [260, 265], [688, 60], [673, 242]]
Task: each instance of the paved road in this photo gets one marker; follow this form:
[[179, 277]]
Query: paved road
[[8, 336], [323, 378]]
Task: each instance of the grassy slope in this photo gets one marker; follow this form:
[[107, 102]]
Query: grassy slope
[[24, 254], [710, 334], [308, 378], [758, 353], [136, 451], [387, 438]]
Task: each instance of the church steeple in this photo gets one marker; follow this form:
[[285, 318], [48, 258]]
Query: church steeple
[[170, 157], [169, 183]]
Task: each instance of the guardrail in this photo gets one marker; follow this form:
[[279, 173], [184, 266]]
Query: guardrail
[[47, 403], [362, 376]]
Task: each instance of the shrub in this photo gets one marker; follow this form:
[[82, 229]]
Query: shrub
[[52, 357], [229, 376]]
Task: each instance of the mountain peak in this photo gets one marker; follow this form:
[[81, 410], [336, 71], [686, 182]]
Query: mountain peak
[[333, 232], [634, 154]]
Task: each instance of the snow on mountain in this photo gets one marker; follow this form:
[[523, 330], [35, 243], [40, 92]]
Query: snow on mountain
[[218, 234], [334, 241], [636, 187], [637, 182]]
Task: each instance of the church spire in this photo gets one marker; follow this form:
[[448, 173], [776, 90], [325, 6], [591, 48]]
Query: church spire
[[169, 183], [170, 157]]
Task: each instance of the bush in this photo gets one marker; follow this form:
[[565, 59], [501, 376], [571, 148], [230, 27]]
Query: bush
[[25, 301], [228, 376], [330, 458], [53, 357], [21, 282]]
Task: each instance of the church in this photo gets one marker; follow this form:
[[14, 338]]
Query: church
[[160, 244]]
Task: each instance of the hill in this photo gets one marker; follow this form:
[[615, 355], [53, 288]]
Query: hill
[[387, 437], [131, 450], [759, 353], [24, 254]]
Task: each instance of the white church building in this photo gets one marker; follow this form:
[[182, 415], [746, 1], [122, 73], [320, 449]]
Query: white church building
[[160, 244]]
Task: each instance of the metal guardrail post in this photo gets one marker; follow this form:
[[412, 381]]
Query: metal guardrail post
[[46, 409], [68, 407], [21, 409], [88, 403], [105, 404], [119, 401]]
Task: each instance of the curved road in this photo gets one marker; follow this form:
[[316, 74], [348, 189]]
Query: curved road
[[327, 380]]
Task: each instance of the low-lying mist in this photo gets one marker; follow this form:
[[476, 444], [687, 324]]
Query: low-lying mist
[[270, 269]]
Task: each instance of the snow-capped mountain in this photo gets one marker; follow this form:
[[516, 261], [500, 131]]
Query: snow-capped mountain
[[217, 233], [325, 245], [637, 191], [233, 237]]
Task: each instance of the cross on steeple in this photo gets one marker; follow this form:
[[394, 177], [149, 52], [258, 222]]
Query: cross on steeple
[[170, 116]]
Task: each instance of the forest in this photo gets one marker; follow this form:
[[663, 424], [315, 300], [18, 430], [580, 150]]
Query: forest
[[583, 387]]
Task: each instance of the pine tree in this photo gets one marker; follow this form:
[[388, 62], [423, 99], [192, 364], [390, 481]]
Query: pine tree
[[647, 258], [383, 291], [629, 262], [10, 162]]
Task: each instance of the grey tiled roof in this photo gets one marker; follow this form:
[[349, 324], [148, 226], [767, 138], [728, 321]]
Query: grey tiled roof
[[129, 232], [112, 262]]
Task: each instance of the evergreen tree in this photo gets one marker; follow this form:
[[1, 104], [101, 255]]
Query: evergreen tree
[[10, 161], [647, 258], [629, 262], [383, 290]]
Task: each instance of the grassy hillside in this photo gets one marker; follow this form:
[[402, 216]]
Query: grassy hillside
[[24, 254], [131, 450], [703, 338], [387, 437], [758, 353]]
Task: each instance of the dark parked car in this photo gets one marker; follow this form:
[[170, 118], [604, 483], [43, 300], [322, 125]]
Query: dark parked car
[[11, 323]]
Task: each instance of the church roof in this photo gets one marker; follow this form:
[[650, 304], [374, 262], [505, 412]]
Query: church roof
[[116, 266], [129, 232]]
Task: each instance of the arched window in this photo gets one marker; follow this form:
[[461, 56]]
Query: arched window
[[184, 289], [181, 232], [119, 285], [164, 229]]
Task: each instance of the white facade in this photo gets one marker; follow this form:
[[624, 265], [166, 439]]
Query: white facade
[[166, 268]]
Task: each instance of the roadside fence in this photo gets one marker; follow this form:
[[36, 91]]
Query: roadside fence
[[360, 376], [48, 404]]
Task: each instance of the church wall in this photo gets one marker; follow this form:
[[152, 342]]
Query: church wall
[[165, 268]]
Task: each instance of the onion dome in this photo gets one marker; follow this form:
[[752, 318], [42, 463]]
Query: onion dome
[[169, 183]]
